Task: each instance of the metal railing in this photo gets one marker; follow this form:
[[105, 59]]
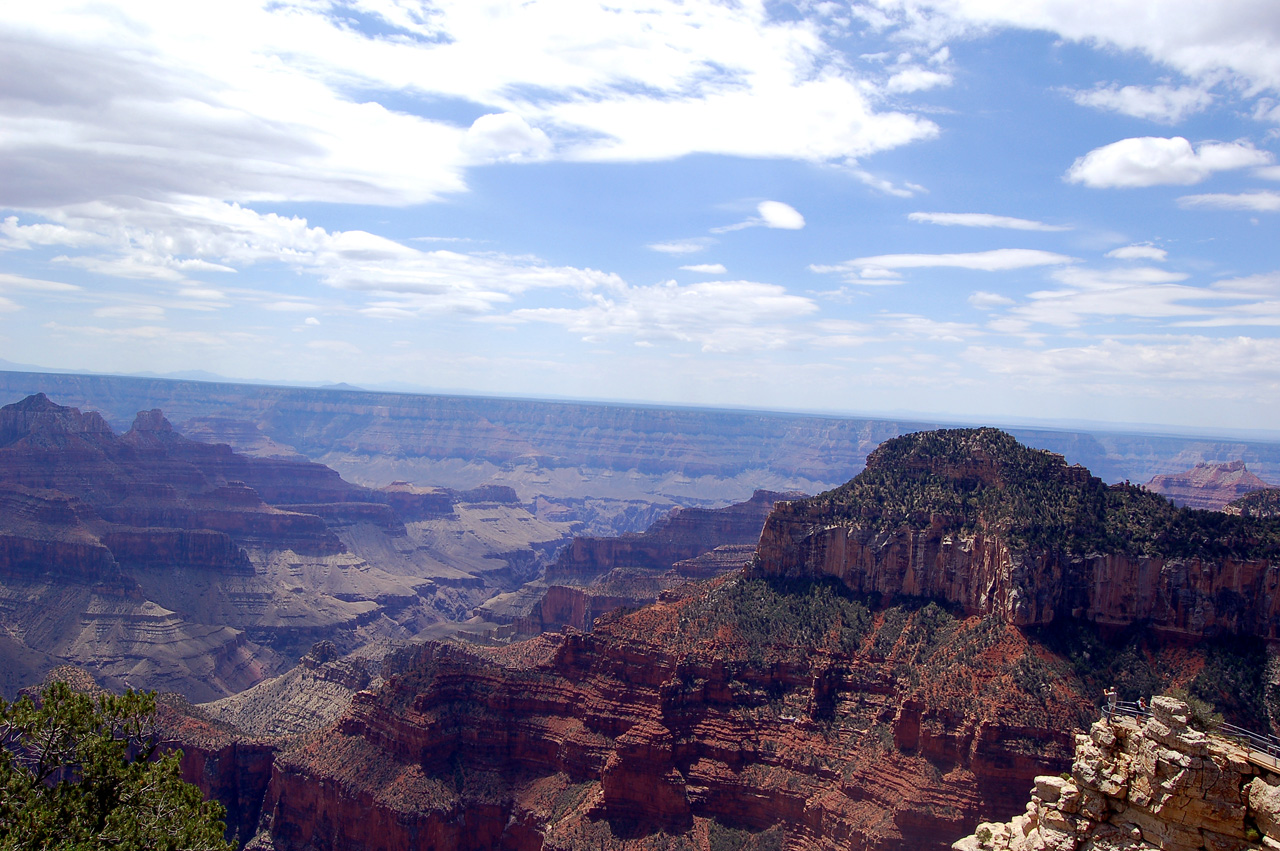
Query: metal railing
[[1258, 742]]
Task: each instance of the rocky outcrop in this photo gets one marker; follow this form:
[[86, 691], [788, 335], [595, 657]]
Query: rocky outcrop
[[1001, 529], [1147, 783], [1263, 504], [1207, 486]]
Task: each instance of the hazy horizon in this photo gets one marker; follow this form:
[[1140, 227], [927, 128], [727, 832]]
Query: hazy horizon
[[1035, 212]]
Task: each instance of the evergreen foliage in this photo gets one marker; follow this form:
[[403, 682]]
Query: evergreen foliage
[[972, 480], [84, 772]]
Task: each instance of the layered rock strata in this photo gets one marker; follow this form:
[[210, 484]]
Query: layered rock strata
[[642, 733], [1147, 783], [161, 562], [596, 575], [972, 517], [1207, 486]]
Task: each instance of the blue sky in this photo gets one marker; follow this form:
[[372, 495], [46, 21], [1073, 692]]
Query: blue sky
[[971, 208]]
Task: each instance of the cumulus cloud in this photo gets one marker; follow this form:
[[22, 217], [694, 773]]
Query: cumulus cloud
[[1165, 104], [771, 214], [998, 260], [1156, 161], [505, 137], [1139, 251], [706, 268], [983, 220], [716, 316], [1262, 201]]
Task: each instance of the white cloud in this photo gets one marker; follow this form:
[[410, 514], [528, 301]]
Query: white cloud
[[312, 321], [136, 312], [1204, 41], [706, 268], [1144, 367], [717, 316], [166, 243], [1269, 172], [1156, 161], [988, 301], [684, 246], [505, 137], [772, 214], [1262, 201], [1141, 292], [998, 260], [776, 214], [20, 282], [916, 80], [888, 187], [1139, 251], [1166, 104], [983, 220]]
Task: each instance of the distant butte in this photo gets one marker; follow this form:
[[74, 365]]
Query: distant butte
[[1207, 486]]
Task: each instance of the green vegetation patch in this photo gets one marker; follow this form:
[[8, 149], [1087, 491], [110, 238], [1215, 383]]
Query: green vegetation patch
[[983, 480], [84, 772], [779, 617]]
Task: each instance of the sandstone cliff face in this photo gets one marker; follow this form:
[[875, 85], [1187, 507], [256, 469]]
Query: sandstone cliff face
[[1146, 783], [982, 573], [976, 531], [1207, 486]]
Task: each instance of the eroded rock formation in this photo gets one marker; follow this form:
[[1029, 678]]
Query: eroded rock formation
[[972, 517], [161, 562], [1207, 486], [595, 575], [1147, 783]]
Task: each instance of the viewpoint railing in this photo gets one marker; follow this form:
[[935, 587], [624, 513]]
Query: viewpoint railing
[[1257, 743]]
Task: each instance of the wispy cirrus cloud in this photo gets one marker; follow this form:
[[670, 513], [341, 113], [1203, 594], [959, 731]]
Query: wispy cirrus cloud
[[1262, 201], [1165, 104], [997, 260], [983, 220], [716, 316]]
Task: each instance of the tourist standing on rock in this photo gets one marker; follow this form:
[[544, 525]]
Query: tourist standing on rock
[[1110, 695]]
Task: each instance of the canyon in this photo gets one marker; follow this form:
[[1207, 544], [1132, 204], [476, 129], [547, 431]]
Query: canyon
[[886, 673], [620, 456], [165, 563]]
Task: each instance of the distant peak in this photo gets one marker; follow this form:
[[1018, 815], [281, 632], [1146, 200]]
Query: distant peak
[[37, 402], [39, 418], [152, 420]]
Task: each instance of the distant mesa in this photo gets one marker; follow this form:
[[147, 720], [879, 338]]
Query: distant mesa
[[1207, 486]]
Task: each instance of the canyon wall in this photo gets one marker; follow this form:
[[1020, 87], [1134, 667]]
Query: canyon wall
[[565, 449]]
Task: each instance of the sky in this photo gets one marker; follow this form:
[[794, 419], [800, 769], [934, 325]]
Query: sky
[[996, 210]]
